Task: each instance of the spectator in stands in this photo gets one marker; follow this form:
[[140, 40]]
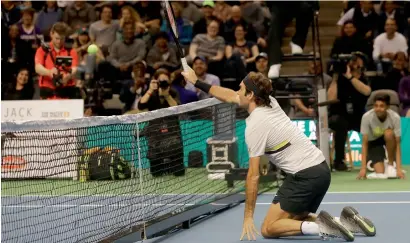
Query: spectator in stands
[[240, 56], [201, 26], [222, 11], [56, 82], [200, 67], [80, 14], [364, 18], [304, 107], [161, 55], [125, 53], [10, 14], [350, 41], [159, 94], [282, 14], [118, 8], [150, 13], [351, 90], [380, 127], [236, 19], [211, 46], [133, 91], [103, 32], [391, 10], [28, 31], [387, 44], [49, 15], [21, 88], [191, 12], [128, 14], [252, 13], [14, 54], [397, 72], [184, 27], [178, 84], [404, 95], [261, 62]]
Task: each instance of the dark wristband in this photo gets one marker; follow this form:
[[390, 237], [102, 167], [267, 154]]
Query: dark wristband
[[203, 86]]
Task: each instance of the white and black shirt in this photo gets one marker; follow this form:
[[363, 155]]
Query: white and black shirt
[[270, 132]]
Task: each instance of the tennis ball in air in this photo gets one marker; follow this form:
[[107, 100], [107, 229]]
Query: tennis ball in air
[[92, 49]]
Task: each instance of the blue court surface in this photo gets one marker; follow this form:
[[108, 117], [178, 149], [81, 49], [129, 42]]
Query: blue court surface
[[390, 212], [89, 218]]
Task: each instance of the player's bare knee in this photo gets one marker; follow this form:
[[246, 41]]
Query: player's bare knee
[[389, 135], [274, 214]]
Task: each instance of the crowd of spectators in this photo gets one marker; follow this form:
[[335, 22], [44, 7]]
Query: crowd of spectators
[[222, 41]]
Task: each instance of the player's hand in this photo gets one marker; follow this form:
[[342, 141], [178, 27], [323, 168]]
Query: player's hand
[[249, 229], [362, 174], [400, 174], [190, 75]]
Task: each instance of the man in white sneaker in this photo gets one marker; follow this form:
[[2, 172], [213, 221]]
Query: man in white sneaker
[[380, 127], [282, 14]]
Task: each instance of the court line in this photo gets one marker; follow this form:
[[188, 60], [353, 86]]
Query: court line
[[180, 204]]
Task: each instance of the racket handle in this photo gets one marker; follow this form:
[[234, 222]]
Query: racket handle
[[184, 64]]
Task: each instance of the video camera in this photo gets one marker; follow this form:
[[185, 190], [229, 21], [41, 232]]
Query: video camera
[[60, 63], [342, 60]]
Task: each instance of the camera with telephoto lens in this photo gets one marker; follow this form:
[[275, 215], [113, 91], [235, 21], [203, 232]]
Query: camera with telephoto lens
[[342, 60], [163, 84]]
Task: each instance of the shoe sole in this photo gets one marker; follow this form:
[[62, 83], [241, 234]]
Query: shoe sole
[[357, 223], [327, 220]]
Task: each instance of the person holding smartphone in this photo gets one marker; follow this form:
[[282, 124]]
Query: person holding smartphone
[[159, 94]]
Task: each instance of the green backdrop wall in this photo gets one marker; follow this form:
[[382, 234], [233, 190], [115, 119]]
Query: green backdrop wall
[[196, 133]]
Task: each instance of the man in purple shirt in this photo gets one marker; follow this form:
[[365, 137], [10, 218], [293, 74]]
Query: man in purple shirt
[[200, 66]]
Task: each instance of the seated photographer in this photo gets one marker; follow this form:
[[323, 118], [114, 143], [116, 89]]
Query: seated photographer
[[349, 87], [380, 127], [57, 66], [159, 94]]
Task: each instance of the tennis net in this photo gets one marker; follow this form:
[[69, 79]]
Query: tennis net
[[99, 179]]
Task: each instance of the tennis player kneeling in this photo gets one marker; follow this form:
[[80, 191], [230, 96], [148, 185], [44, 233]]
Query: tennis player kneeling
[[269, 131]]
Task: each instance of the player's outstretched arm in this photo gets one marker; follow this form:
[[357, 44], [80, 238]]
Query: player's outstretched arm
[[251, 193], [222, 94]]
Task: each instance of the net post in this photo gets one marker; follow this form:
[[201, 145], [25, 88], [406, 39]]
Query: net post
[[222, 147], [323, 137]]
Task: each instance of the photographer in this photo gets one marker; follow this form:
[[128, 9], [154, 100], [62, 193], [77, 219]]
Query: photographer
[[159, 95], [349, 87], [56, 65]]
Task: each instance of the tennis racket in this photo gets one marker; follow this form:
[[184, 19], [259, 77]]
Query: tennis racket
[[169, 15]]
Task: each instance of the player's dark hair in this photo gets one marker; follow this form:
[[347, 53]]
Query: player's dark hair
[[265, 88], [382, 97]]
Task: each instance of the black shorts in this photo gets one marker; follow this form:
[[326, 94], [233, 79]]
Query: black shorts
[[305, 190], [376, 152]]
